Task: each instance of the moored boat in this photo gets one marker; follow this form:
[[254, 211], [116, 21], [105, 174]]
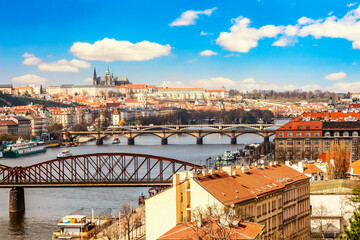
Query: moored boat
[[116, 141], [23, 148]]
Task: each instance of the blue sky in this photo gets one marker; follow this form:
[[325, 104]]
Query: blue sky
[[277, 44]]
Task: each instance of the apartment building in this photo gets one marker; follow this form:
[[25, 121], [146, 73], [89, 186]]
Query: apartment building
[[308, 139], [276, 196]]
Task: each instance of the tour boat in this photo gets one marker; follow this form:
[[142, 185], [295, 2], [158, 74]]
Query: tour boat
[[79, 227], [64, 153], [22, 148], [116, 141]]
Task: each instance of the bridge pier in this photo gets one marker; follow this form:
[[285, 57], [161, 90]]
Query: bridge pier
[[233, 140], [99, 141], [131, 141], [164, 141], [17, 200], [266, 146], [199, 140]]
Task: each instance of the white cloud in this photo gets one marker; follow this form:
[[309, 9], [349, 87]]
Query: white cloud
[[335, 76], [208, 53], [242, 38], [80, 63], [305, 21], [205, 33], [247, 81], [188, 18], [30, 59], [341, 87], [232, 55], [88, 80], [176, 84], [216, 83], [351, 4], [29, 79], [109, 50], [63, 65]]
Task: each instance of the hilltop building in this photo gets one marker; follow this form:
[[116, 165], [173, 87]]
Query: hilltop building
[[109, 79]]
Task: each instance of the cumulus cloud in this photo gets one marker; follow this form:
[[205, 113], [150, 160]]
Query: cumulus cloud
[[335, 76], [242, 38], [29, 79], [30, 59], [63, 65], [188, 18], [109, 50], [208, 53]]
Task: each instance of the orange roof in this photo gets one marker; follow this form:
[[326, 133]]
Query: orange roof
[[178, 89], [116, 112], [355, 166], [216, 90], [131, 100], [312, 168], [7, 123], [244, 230]]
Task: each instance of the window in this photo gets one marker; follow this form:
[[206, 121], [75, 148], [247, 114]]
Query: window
[[327, 142], [307, 134], [307, 142], [299, 149], [298, 134], [298, 141], [307, 127], [298, 127], [290, 134], [346, 134], [281, 134], [336, 134], [327, 134], [317, 149], [289, 142], [316, 142], [355, 134], [307, 149], [316, 134], [281, 142]]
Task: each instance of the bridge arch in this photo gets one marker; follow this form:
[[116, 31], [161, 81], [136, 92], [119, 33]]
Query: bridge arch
[[91, 170]]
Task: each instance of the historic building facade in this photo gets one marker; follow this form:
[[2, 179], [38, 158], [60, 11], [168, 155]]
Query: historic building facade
[[109, 79]]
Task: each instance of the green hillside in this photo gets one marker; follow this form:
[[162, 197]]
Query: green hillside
[[11, 100]]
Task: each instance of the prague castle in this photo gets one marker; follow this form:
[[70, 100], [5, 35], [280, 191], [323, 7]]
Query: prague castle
[[109, 79]]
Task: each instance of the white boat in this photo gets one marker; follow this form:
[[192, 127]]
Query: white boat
[[116, 141], [64, 153]]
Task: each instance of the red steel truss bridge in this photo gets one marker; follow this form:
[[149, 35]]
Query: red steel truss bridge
[[96, 170]]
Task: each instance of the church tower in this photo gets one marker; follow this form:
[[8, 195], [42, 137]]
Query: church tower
[[95, 78], [107, 77]]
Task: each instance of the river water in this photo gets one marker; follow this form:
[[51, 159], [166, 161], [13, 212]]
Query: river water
[[45, 206]]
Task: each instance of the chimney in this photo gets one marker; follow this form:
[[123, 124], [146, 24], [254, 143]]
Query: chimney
[[301, 166], [176, 179], [227, 169]]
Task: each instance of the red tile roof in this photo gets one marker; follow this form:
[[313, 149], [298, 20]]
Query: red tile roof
[[7, 123], [244, 230], [312, 168]]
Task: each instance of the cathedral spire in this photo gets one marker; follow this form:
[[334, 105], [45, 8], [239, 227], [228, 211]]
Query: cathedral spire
[[95, 77], [107, 70]]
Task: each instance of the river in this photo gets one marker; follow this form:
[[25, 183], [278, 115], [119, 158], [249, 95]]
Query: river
[[46, 206]]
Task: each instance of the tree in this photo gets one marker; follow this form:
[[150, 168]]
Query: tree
[[213, 222], [131, 219], [55, 130], [320, 220], [338, 158], [352, 232]]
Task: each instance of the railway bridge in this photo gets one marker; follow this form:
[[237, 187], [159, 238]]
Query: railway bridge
[[91, 170], [166, 131]]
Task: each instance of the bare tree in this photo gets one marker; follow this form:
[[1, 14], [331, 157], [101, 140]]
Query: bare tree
[[131, 219], [213, 222], [321, 220]]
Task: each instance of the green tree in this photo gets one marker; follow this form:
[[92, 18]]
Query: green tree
[[352, 232]]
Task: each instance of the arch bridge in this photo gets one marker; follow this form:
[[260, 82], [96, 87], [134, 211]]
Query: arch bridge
[[91, 170], [197, 131]]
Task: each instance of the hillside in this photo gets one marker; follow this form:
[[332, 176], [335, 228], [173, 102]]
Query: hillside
[[11, 100]]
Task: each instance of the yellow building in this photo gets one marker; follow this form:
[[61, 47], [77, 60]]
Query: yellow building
[[277, 196]]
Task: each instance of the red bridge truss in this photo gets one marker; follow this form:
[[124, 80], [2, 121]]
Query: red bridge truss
[[96, 170]]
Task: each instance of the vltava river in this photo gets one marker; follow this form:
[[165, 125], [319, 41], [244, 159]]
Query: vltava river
[[45, 206]]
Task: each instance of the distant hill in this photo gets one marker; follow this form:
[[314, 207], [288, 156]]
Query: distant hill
[[7, 100]]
